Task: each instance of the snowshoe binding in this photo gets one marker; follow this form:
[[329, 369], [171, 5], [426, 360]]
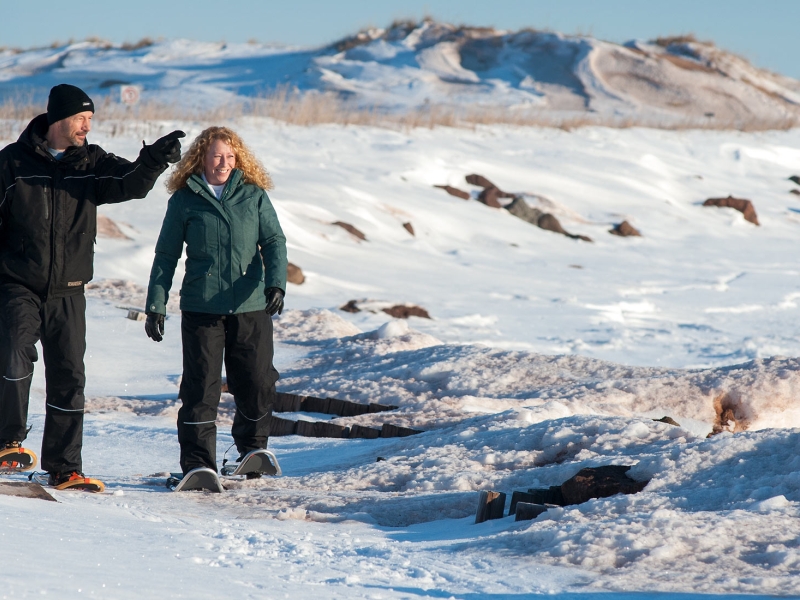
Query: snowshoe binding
[[253, 465], [197, 479], [14, 458]]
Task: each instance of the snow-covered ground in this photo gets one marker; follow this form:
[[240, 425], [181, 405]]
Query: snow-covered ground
[[544, 355]]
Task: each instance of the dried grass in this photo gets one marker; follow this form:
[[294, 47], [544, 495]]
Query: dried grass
[[313, 108]]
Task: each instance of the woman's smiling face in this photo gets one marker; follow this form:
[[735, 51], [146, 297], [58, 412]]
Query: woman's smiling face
[[220, 160]]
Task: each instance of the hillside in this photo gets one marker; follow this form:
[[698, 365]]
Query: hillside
[[533, 76]]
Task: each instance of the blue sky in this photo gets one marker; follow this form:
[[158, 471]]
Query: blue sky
[[763, 31]]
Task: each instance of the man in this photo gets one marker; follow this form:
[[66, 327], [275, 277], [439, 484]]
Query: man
[[51, 182]]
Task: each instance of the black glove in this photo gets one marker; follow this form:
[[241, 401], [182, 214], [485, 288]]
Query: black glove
[[154, 326], [274, 300], [164, 150]]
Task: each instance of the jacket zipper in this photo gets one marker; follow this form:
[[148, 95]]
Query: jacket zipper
[[52, 202]]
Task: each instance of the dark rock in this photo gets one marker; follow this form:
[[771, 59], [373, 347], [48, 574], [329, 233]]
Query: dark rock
[[743, 206], [480, 181], [351, 307], [795, 179], [625, 229], [668, 420], [550, 223], [599, 482], [401, 311], [489, 197], [795, 191], [521, 209], [294, 274], [454, 191], [108, 229], [352, 230], [409, 228]]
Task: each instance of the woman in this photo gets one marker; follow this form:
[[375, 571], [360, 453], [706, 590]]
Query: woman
[[235, 281]]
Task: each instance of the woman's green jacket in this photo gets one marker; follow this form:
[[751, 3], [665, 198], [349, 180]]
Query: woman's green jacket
[[235, 249]]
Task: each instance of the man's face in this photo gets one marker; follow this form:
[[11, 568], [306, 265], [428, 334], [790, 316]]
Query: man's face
[[72, 130]]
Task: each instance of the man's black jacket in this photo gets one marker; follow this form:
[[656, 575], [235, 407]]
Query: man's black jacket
[[48, 208]]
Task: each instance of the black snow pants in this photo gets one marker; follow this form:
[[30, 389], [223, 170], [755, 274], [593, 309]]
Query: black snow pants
[[60, 324], [245, 339]]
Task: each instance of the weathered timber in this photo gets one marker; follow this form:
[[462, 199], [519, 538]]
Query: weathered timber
[[315, 405], [551, 495], [280, 427], [520, 497], [322, 429], [490, 506], [525, 511], [389, 431], [23, 489], [285, 402], [369, 433]]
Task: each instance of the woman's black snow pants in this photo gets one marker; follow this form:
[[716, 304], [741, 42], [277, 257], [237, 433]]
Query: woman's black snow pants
[[60, 324], [245, 340]]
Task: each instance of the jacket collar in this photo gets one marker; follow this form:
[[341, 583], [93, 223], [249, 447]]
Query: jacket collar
[[199, 187], [34, 137]]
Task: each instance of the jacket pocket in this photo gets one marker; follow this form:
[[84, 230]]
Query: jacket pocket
[[79, 256], [196, 284]]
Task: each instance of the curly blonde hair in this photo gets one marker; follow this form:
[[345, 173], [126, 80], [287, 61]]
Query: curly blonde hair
[[192, 161]]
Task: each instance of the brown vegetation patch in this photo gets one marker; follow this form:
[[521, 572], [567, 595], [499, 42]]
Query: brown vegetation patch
[[687, 64], [409, 228], [743, 206], [728, 411]]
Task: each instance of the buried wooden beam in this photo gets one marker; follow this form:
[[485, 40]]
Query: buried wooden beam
[[490, 506], [285, 402], [280, 427], [525, 511]]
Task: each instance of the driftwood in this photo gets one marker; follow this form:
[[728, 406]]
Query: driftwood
[[490, 506]]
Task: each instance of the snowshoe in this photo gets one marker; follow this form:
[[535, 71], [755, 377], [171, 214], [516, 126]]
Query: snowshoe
[[75, 480], [15, 458], [254, 464], [197, 479]]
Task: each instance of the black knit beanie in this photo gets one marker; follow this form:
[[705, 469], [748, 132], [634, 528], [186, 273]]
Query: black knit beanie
[[66, 100]]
